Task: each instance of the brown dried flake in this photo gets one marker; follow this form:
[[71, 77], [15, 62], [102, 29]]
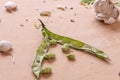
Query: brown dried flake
[[21, 25], [45, 13], [26, 19], [72, 20]]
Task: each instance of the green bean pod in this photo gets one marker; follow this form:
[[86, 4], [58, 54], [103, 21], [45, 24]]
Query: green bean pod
[[79, 45], [40, 54]]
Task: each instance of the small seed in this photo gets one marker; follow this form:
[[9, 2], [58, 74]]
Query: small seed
[[49, 56], [46, 70], [71, 56], [53, 42], [65, 47]]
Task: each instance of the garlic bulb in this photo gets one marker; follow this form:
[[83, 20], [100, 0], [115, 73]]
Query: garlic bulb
[[10, 5], [5, 46], [106, 11]]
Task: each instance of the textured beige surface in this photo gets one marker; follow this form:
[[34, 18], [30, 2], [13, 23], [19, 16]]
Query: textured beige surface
[[86, 28]]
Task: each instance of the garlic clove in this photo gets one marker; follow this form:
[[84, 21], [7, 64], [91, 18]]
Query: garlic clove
[[5, 46], [10, 5], [110, 21]]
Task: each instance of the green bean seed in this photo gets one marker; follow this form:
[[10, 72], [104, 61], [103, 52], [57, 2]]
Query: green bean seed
[[70, 56], [46, 70], [65, 47], [49, 56], [53, 42]]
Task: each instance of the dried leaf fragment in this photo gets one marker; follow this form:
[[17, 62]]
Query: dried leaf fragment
[[45, 13]]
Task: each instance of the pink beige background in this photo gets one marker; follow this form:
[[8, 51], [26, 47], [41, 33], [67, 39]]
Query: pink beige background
[[86, 28]]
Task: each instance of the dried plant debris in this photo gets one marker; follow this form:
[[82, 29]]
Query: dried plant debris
[[44, 1], [21, 25], [86, 2], [45, 13], [117, 4], [75, 14], [72, 20], [71, 8], [36, 25], [61, 7], [26, 19]]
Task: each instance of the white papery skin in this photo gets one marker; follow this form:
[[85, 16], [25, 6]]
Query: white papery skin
[[10, 5], [106, 11], [5, 46]]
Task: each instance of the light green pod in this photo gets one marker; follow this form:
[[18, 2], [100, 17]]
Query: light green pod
[[40, 53]]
